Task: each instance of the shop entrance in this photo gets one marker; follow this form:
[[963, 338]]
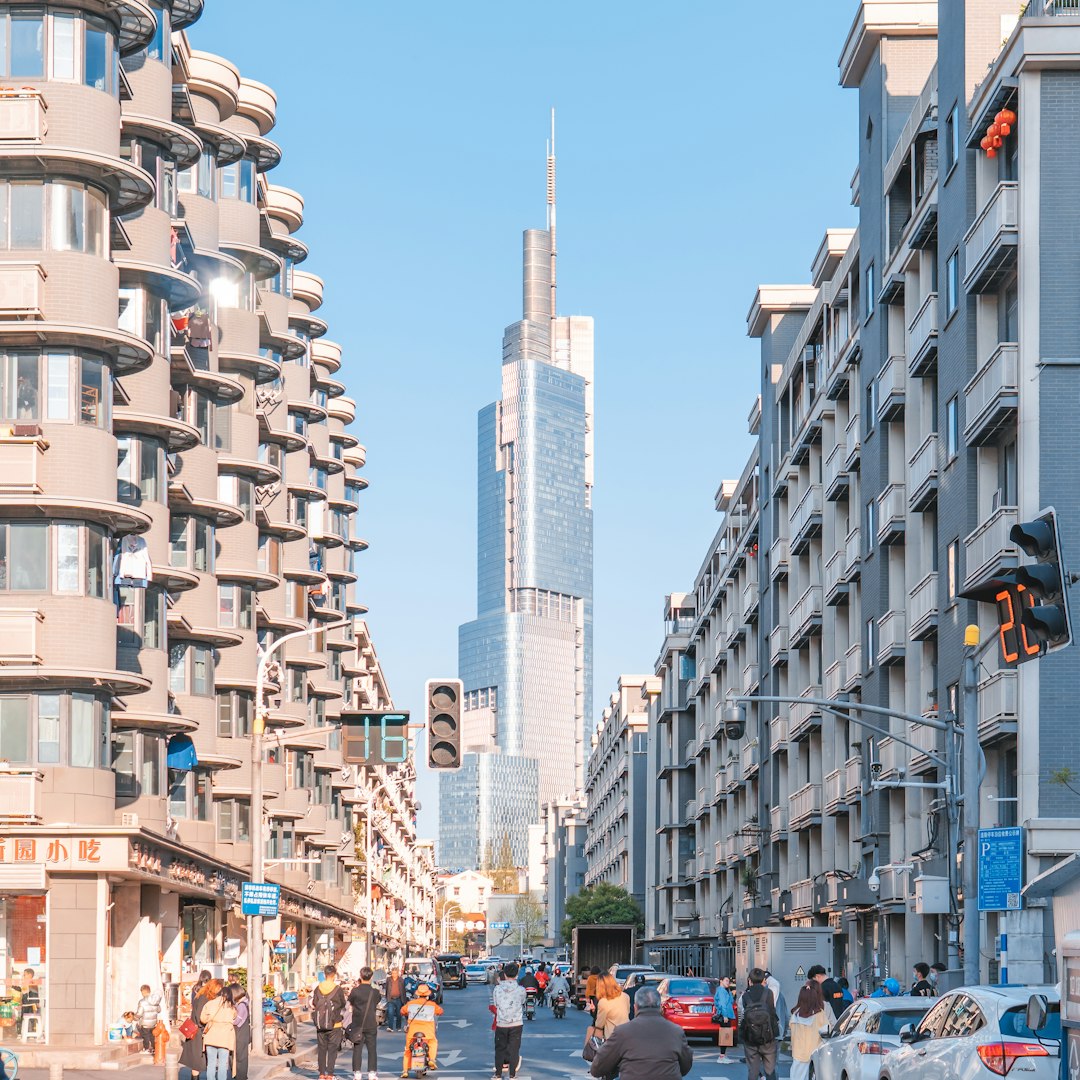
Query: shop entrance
[[23, 965]]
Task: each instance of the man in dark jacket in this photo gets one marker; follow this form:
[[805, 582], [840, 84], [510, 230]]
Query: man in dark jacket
[[759, 1027], [395, 998], [364, 1029], [650, 1047]]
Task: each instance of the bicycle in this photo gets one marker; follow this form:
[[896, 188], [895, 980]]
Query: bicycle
[[9, 1064]]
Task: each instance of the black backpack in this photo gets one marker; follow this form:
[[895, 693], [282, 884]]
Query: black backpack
[[757, 1025], [327, 1009]]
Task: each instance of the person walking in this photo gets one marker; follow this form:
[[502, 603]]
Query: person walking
[[649, 1047], [238, 998], [219, 1034], [773, 983], [922, 986], [612, 1008], [147, 1014], [590, 989], [759, 1027], [889, 988], [508, 1000], [395, 998], [327, 1009], [831, 993], [364, 1029], [422, 1012], [193, 1053], [807, 1020], [724, 1012]]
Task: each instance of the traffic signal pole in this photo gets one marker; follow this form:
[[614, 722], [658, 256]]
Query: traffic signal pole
[[971, 789]]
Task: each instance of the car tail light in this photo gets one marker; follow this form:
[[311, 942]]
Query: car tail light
[[999, 1057], [873, 1048], [674, 1006]]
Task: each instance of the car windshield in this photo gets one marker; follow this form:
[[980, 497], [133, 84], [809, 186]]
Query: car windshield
[[892, 1022], [690, 988], [621, 973], [474, 967], [1013, 1023]]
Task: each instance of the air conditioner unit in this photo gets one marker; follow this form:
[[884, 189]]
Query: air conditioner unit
[[129, 821], [26, 431]]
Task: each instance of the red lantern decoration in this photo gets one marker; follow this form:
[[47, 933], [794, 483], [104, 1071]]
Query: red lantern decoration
[[1005, 129], [994, 130], [1008, 116], [991, 152], [997, 117], [996, 140]]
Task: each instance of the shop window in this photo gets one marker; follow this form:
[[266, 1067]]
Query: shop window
[[23, 934], [198, 924]]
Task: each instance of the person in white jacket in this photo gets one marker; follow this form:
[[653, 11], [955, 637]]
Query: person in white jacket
[[773, 983]]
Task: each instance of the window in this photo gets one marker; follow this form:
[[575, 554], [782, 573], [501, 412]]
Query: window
[[15, 729], [140, 618], [160, 47], [207, 172], [234, 821], [95, 393], [238, 491], [238, 181], [137, 763], [32, 728], [65, 26], [24, 557], [234, 714], [952, 570], [191, 544], [952, 139], [269, 560], [190, 795], [871, 526], [143, 314], [870, 292], [26, 52], [871, 405], [952, 428], [952, 283], [235, 607], [199, 412], [140, 469], [37, 386], [1007, 477], [191, 669], [297, 684], [77, 217], [303, 770], [48, 743]]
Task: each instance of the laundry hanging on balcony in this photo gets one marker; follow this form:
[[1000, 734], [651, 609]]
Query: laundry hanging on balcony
[[180, 754], [131, 566]]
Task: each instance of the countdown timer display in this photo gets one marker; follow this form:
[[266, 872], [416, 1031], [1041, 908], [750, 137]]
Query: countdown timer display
[[375, 738]]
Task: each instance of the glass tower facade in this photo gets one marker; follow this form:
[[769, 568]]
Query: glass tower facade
[[526, 659]]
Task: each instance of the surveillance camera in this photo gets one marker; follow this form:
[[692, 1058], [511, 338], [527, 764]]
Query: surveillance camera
[[875, 768], [874, 883]]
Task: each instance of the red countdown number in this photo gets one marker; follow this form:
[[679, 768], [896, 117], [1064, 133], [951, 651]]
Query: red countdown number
[[1011, 629]]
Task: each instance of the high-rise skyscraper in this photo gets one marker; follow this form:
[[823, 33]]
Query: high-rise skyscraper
[[526, 659]]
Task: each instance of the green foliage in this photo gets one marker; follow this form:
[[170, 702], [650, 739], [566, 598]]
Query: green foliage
[[602, 903], [1065, 777], [505, 875], [530, 916]]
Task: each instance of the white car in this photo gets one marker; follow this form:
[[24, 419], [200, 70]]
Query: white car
[[979, 1032], [867, 1031]]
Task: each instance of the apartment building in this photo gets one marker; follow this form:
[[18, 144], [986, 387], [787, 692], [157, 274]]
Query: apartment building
[[178, 490], [562, 861], [615, 791], [914, 399]]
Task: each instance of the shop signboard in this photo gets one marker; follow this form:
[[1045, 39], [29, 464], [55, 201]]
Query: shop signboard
[[66, 852], [260, 898]]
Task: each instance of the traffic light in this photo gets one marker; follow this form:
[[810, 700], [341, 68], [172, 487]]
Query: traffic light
[[444, 722], [1045, 618]]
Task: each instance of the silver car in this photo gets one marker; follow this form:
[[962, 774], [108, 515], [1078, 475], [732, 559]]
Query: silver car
[[869, 1030], [978, 1032]]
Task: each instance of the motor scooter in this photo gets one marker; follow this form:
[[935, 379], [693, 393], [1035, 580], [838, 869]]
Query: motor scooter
[[558, 1006], [419, 1052], [530, 1002]]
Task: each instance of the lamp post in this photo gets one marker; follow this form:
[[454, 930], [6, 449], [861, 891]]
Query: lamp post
[[735, 715], [258, 850], [446, 924]]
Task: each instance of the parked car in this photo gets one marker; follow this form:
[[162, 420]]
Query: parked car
[[476, 973], [621, 971], [981, 1031], [868, 1031], [688, 1002], [452, 970]]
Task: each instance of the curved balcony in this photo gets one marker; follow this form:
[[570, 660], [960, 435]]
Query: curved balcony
[[181, 143], [325, 352], [185, 12], [308, 288], [128, 186], [292, 804], [128, 353], [182, 630], [311, 325], [213, 77], [181, 501], [286, 205], [119, 518], [176, 434], [135, 719]]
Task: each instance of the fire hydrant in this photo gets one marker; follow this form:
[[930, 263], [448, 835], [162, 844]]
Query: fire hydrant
[[161, 1043]]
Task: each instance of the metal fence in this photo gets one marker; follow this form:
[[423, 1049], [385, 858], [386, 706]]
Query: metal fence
[[1053, 7], [708, 958]]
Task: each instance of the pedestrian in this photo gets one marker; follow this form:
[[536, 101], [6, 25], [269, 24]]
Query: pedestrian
[[508, 1000], [219, 1034], [759, 1026], [649, 1047], [807, 1020], [937, 969], [590, 989], [612, 1008], [846, 995], [147, 1014], [395, 998], [193, 1053], [831, 993], [364, 1028], [543, 978], [327, 1009], [889, 988], [422, 1013], [238, 997], [922, 987], [773, 983], [723, 1012]]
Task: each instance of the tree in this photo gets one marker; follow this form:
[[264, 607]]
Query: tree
[[529, 915], [505, 876], [601, 903]]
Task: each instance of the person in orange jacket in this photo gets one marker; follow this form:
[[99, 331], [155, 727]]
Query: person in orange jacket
[[421, 1012]]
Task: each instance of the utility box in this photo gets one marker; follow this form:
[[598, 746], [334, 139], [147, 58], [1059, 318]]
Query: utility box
[[931, 896], [787, 951]]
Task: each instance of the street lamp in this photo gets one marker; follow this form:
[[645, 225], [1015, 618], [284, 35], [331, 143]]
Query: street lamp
[[258, 850], [446, 923]]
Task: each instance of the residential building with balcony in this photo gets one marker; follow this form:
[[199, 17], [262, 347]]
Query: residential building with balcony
[[562, 861], [178, 490], [616, 790], [914, 400]]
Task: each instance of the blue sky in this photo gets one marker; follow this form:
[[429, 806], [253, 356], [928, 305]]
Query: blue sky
[[703, 145]]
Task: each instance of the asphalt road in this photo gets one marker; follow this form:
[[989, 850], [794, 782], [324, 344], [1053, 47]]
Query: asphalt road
[[550, 1048]]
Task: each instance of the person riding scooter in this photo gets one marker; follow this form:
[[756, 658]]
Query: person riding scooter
[[421, 1012]]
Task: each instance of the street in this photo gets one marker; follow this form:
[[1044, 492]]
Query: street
[[550, 1048]]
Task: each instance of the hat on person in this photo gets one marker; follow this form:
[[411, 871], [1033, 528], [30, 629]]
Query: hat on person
[[423, 990], [892, 986]]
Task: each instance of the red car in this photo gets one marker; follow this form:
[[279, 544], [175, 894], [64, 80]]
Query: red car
[[688, 1002]]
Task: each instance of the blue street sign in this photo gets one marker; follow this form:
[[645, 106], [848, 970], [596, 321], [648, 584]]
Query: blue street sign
[[1001, 869], [499, 926], [261, 899]]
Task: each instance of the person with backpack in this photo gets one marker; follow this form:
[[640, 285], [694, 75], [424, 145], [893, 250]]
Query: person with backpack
[[327, 1010], [759, 1027]]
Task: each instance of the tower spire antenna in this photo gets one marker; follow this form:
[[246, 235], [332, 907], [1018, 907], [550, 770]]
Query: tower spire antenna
[[551, 224]]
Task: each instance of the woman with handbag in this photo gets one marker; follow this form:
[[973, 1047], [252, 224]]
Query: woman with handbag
[[219, 1032], [723, 1012], [612, 1010], [238, 997], [192, 1053]]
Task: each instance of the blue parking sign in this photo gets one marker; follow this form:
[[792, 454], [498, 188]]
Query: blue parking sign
[[1001, 869]]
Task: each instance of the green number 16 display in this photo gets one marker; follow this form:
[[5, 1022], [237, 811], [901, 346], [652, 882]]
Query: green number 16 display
[[375, 738]]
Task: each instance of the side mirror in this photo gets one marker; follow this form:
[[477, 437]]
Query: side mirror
[[826, 1033], [1037, 1008], [908, 1034]]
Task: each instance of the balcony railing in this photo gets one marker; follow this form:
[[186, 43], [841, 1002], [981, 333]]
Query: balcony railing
[[836, 587], [22, 290], [990, 243], [853, 777], [853, 668], [779, 816], [992, 395], [922, 337], [892, 388], [805, 805], [778, 644], [923, 474], [836, 473], [806, 520], [750, 758], [928, 741], [924, 607], [19, 630], [750, 677], [20, 796], [21, 457], [806, 615], [750, 599], [1047, 8], [988, 549], [891, 755], [997, 705], [852, 443], [802, 895], [892, 514], [778, 557], [778, 734], [852, 554], [834, 789], [892, 637], [22, 116], [803, 715], [835, 679]]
